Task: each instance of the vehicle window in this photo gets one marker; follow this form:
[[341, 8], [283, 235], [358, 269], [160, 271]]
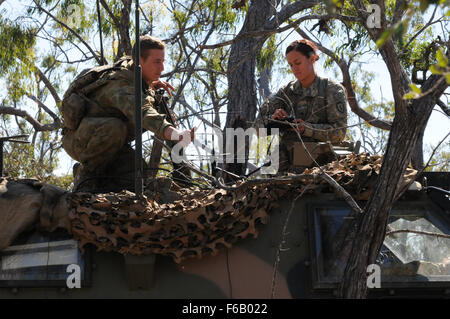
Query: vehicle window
[[413, 254], [36, 260]]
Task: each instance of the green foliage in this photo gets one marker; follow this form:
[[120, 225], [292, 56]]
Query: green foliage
[[373, 140], [16, 43], [362, 84], [204, 10], [267, 55], [23, 161], [442, 59], [226, 16], [440, 162]]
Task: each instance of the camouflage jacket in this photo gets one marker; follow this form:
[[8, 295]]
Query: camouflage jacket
[[115, 98], [322, 107]]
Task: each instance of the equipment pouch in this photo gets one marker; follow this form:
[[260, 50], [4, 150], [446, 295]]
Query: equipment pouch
[[301, 156]]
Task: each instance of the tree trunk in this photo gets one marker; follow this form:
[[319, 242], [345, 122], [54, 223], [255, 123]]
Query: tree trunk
[[263, 82], [124, 41], [371, 225], [417, 155], [241, 78]]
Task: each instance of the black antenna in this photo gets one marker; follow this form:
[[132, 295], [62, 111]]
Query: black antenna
[[103, 61], [138, 186]]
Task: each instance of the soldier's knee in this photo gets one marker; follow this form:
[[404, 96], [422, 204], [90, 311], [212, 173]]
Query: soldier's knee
[[96, 138]]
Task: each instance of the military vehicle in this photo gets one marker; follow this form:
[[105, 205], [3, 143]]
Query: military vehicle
[[288, 259]]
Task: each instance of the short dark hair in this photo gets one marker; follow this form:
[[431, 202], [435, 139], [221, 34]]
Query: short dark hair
[[305, 47], [147, 43]]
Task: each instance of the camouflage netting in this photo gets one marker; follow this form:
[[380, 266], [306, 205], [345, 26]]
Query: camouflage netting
[[201, 222]]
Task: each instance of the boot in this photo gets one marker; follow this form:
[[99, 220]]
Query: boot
[[114, 176]]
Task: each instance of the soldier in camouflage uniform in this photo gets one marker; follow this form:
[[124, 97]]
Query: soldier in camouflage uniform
[[101, 140], [317, 104]]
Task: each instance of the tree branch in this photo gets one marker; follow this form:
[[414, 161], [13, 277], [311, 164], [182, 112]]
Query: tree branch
[[417, 232], [431, 91], [49, 86], [434, 87], [111, 15], [288, 11], [124, 28], [191, 69], [399, 79], [443, 107], [36, 125], [342, 192], [399, 10], [432, 154], [381, 4], [46, 109], [190, 108], [97, 58], [327, 178], [430, 22], [268, 32]]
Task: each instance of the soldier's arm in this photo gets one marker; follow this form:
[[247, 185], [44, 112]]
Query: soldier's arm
[[280, 100], [334, 131], [152, 120], [119, 94]]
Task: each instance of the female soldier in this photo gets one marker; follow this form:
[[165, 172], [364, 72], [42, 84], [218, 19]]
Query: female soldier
[[317, 105]]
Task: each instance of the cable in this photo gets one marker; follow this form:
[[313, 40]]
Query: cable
[[437, 189]]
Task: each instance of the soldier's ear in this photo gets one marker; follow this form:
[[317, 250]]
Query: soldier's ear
[[313, 58]]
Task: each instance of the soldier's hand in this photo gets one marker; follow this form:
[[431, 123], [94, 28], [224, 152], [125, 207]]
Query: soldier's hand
[[187, 137], [299, 126], [184, 137], [163, 85], [279, 114], [192, 132]]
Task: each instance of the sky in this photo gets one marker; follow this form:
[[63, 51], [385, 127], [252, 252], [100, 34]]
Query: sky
[[437, 128]]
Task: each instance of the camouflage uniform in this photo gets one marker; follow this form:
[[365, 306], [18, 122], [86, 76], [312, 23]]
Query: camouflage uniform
[[101, 141], [322, 107]]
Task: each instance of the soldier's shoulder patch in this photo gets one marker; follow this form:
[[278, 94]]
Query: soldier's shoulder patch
[[340, 107]]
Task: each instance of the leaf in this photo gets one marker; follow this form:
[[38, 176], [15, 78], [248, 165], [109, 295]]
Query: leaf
[[435, 69], [410, 95], [399, 34], [442, 59], [384, 37], [415, 88], [447, 77], [338, 3]]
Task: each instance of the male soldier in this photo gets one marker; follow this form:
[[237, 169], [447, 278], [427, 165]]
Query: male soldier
[[100, 138], [317, 105]]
